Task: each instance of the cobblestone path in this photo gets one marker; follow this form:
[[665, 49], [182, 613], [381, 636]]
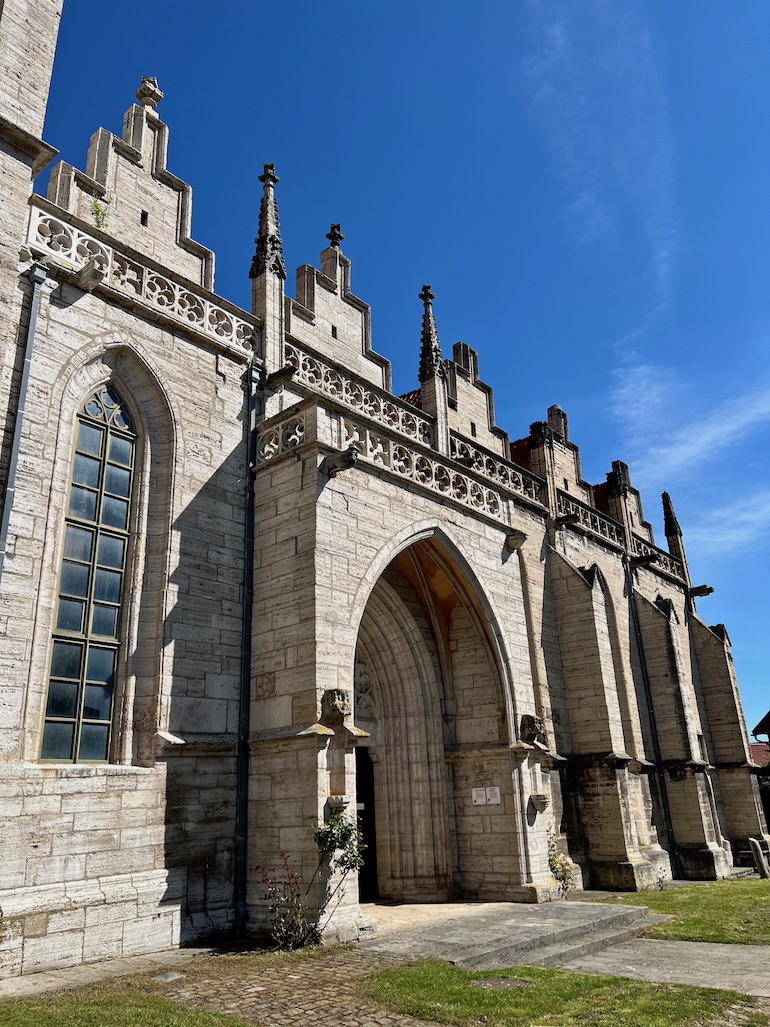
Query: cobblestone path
[[317, 991]]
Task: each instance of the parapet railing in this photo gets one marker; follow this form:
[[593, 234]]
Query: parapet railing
[[590, 519], [498, 470], [51, 235], [663, 561], [362, 397]]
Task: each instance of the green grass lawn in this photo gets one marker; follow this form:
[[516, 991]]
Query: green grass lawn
[[732, 912], [436, 991], [128, 1002]]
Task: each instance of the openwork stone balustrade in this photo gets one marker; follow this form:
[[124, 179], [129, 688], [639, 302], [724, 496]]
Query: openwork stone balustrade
[[589, 519], [512, 478], [53, 236], [280, 438], [663, 562], [425, 470], [319, 376]]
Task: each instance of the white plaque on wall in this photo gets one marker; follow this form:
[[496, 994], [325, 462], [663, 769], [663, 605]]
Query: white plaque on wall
[[493, 796], [479, 796]]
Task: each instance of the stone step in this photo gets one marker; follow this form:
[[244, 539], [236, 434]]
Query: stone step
[[607, 921], [558, 954]]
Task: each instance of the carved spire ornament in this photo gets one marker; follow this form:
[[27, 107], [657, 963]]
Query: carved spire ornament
[[431, 360], [670, 523], [335, 236], [269, 253]]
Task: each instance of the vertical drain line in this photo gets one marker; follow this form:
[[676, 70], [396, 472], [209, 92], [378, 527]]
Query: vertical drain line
[[38, 276], [242, 746]]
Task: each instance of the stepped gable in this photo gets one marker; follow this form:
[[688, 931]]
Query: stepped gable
[[128, 193]]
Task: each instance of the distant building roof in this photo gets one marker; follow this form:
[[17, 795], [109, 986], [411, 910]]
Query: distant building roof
[[763, 727], [760, 754], [414, 398]]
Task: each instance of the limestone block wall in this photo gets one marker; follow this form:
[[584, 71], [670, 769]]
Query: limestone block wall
[[333, 322], [28, 32], [137, 854], [471, 410]]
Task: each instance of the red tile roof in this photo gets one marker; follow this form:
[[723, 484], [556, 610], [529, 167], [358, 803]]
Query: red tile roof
[[413, 398], [520, 453]]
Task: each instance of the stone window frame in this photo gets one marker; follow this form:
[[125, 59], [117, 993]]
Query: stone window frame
[[146, 667], [106, 412]]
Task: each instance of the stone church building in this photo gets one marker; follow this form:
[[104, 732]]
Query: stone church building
[[244, 585]]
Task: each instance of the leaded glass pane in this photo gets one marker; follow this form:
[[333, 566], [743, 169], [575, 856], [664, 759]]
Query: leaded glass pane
[[62, 699], [110, 552], [57, 741], [77, 543], [93, 742], [118, 480], [98, 702], [104, 620], [82, 503], [107, 586], [90, 439], [86, 470], [121, 450], [74, 579], [115, 512], [101, 663], [66, 660], [70, 616]]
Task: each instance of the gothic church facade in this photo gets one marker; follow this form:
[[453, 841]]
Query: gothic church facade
[[244, 585]]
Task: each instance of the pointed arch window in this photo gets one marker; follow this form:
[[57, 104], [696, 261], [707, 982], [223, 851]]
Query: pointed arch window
[[86, 637]]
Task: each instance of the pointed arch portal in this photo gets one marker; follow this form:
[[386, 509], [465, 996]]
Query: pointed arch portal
[[430, 693]]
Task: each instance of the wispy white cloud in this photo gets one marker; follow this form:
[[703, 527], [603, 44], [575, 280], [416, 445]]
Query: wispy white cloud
[[671, 429], [732, 528], [592, 84]]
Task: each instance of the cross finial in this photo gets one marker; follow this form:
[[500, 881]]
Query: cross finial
[[431, 359], [335, 236], [268, 176]]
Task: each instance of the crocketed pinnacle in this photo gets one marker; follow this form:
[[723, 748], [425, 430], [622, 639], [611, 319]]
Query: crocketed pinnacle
[[670, 523], [269, 252], [431, 360]]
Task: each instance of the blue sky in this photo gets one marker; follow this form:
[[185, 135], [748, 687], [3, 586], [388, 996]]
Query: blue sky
[[585, 186]]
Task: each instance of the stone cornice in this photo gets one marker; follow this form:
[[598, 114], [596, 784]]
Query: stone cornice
[[39, 152]]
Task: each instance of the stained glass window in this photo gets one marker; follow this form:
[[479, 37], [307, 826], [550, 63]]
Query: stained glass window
[[86, 637]]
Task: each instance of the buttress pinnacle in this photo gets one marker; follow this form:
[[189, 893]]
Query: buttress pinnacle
[[269, 252], [670, 523], [431, 360]]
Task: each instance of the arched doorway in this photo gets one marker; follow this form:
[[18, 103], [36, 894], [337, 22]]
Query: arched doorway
[[430, 694]]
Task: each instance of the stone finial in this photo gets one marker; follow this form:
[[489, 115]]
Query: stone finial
[[335, 236], [557, 420], [431, 360], [149, 94], [670, 523], [269, 252], [619, 478]]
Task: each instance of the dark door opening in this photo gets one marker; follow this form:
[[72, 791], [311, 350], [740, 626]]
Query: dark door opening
[[367, 876]]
